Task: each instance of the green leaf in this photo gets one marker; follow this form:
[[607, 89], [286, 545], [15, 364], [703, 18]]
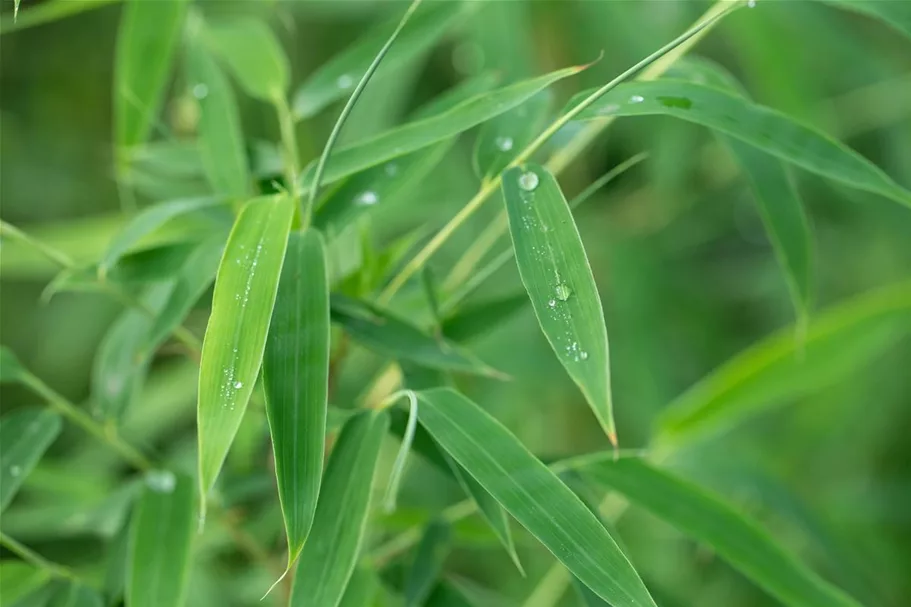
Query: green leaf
[[394, 337], [335, 79], [482, 318], [532, 494], [245, 289], [555, 271], [253, 54], [838, 341], [146, 43], [503, 137], [756, 125], [11, 370], [18, 580], [890, 12], [163, 529], [221, 141], [706, 518], [115, 567], [25, 434], [362, 589], [47, 12], [427, 563], [146, 222], [295, 379], [419, 134], [332, 549], [74, 594]]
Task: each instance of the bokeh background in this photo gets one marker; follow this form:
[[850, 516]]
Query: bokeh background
[[685, 270]]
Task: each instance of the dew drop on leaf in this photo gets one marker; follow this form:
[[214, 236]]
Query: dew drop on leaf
[[344, 81], [161, 481], [636, 99], [504, 144], [528, 181], [200, 91], [238, 385], [552, 303], [563, 292], [367, 199], [15, 471]]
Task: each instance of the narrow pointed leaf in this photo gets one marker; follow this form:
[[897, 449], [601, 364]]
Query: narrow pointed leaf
[[332, 549], [162, 533], [362, 589], [555, 271], [532, 494], [890, 12], [47, 12], [756, 125], [482, 318], [708, 519], [221, 142], [427, 563], [74, 594], [232, 352], [253, 54], [146, 45], [837, 341], [18, 580], [25, 434], [381, 331], [413, 136], [504, 136], [295, 379], [335, 80], [11, 370]]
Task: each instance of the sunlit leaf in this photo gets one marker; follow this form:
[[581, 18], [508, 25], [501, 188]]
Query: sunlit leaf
[[555, 271], [329, 556], [146, 45], [232, 352], [295, 379], [838, 340], [18, 580], [532, 494], [427, 563], [756, 125], [708, 519], [253, 54], [25, 434], [394, 337], [163, 527]]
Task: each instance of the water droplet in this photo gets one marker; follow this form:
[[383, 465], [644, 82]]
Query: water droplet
[[15, 471], [161, 481], [368, 198], [563, 292], [610, 108], [504, 144], [552, 303], [344, 81], [200, 91], [751, 4], [583, 355], [528, 181], [392, 169], [238, 385], [636, 99]]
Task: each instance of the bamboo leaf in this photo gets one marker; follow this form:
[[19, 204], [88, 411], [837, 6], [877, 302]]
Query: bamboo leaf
[[416, 135], [163, 528], [361, 590], [382, 331], [481, 318], [503, 137], [331, 552], [838, 340], [756, 125], [555, 271], [427, 563], [11, 370], [245, 289], [19, 580], [74, 594], [708, 519], [146, 44], [47, 12], [253, 54], [221, 142], [295, 379], [894, 14], [532, 494], [334, 80], [25, 434]]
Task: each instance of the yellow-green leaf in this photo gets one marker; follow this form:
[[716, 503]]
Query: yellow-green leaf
[[18, 580], [253, 54]]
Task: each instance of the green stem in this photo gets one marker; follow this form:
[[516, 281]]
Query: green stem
[[289, 145], [30, 556], [58, 257]]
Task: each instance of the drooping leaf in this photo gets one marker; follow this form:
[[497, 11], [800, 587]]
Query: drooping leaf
[[146, 45], [331, 551], [416, 135], [25, 434], [389, 335], [295, 380], [253, 54], [232, 352], [11, 370], [427, 563], [18, 580], [74, 594], [756, 125], [776, 369], [220, 142], [335, 79], [894, 14], [708, 519], [162, 532], [555, 271], [532, 494]]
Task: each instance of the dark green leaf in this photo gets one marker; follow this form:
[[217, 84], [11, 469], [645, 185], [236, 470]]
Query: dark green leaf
[[74, 594], [361, 590], [482, 318], [11, 370], [427, 563], [25, 434], [894, 13]]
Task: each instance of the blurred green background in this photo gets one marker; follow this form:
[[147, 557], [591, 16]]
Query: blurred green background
[[678, 249]]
